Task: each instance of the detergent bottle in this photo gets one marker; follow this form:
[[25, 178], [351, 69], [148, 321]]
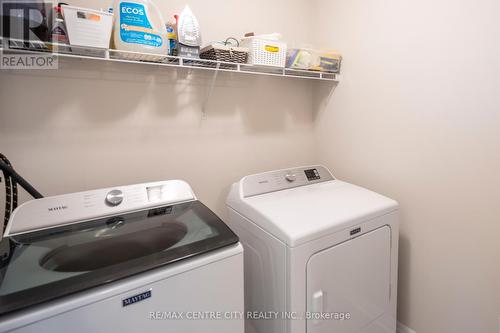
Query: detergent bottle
[[139, 27]]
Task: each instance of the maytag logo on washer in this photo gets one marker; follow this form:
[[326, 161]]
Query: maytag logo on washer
[[57, 208], [136, 298]]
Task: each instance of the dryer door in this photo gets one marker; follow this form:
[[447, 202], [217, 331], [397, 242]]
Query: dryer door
[[348, 285]]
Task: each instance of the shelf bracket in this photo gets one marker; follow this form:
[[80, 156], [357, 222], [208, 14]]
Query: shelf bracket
[[209, 92]]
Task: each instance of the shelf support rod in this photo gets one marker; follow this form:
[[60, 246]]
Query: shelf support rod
[[209, 93]]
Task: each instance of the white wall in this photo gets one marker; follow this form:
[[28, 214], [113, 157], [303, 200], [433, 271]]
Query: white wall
[[91, 124], [417, 117]]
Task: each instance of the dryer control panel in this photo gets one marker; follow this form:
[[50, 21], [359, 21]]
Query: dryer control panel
[[284, 179]]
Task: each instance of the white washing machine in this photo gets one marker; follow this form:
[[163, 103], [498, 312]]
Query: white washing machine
[[142, 258], [321, 255]]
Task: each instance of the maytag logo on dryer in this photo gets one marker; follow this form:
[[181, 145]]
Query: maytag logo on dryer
[[57, 208], [136, 298]]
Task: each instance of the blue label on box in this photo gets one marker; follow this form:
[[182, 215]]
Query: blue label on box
[[135, 27]]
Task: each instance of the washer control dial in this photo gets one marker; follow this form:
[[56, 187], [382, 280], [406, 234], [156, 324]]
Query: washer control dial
[[290, 177], [114, 198]]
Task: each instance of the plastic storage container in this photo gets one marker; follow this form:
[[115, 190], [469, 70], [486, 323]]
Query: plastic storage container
[[314, 60], [87, 27], [265, 52]]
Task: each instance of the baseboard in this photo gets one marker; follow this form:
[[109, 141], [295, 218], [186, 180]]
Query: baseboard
[[404, 329]]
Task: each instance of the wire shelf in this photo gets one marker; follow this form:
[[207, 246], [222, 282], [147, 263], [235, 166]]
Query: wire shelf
[[70, 51]]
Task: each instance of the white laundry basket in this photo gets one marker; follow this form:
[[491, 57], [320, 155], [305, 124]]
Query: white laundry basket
[[265, 52]]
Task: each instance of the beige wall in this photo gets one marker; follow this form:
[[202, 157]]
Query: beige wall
[[417, 117], [92, 125]]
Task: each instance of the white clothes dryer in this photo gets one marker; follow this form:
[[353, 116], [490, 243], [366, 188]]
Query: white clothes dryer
[[321, 255]]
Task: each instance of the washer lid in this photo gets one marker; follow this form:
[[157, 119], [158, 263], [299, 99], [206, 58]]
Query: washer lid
[[301, 214], [46, 264]]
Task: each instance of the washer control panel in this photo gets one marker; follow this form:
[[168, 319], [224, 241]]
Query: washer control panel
[[283, 179], [72, 208]]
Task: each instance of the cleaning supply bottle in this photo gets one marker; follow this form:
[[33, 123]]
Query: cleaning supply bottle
[[172, 38], [59, 31], [139, 27]]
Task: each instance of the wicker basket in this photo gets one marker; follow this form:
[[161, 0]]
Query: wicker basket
[[225, 53]]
